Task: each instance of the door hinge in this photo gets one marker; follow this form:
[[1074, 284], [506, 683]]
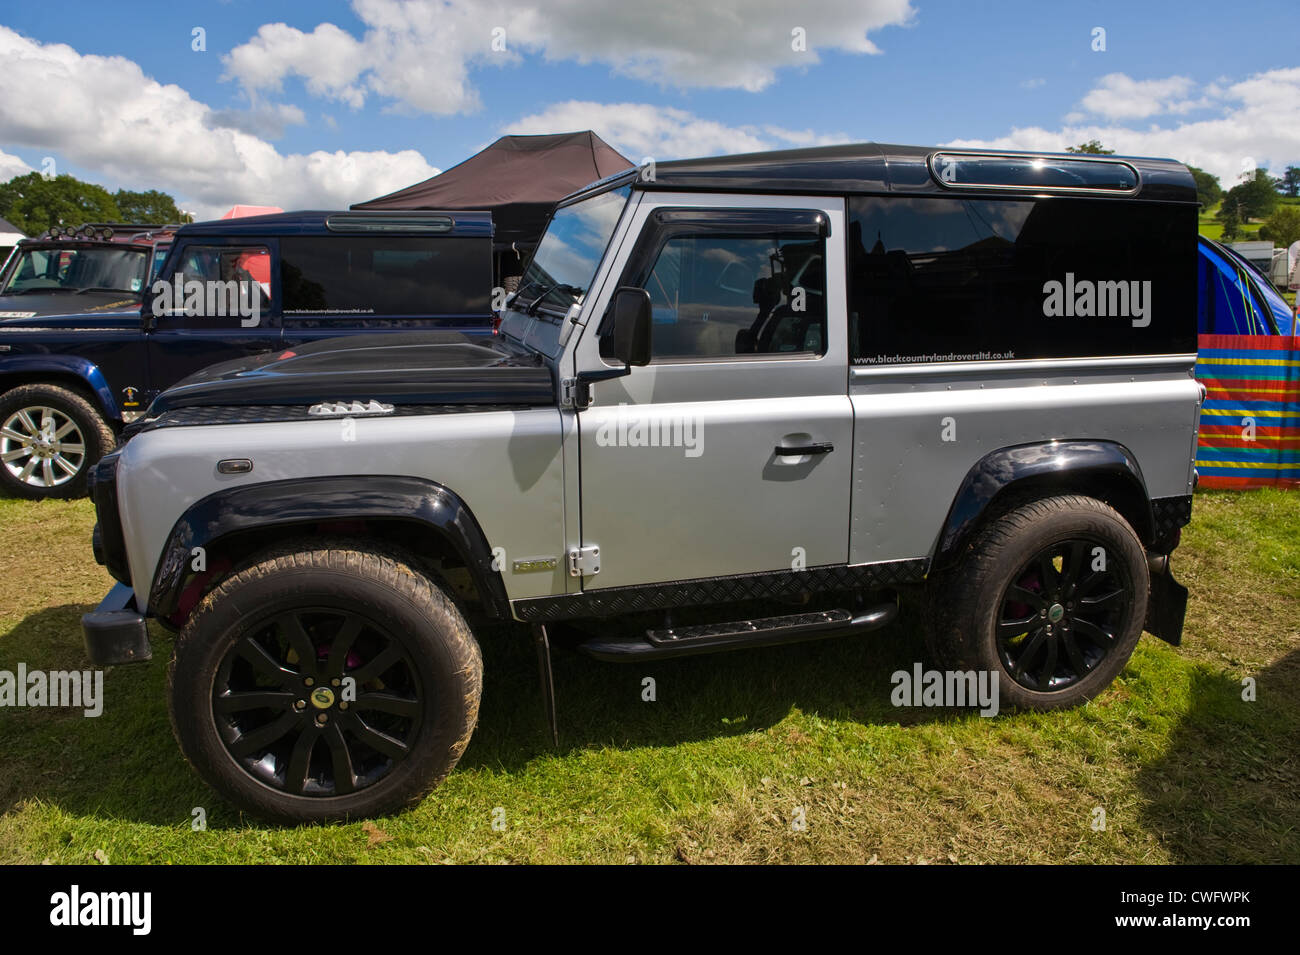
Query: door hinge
[[584, 561]]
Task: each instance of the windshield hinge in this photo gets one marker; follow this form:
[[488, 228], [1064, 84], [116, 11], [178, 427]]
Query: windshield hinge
[[584, 561], [574, 393]]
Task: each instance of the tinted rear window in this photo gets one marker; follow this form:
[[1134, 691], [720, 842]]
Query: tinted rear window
[[358, 276], [955, 279]]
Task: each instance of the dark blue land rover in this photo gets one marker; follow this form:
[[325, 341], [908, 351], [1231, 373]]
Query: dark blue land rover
[[68, 382]]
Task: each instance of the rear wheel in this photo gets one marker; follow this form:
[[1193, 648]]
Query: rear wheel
[[325, 683], [50, 437], [1051, 597]]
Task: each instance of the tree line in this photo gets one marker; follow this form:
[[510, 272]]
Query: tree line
[[35, 202]]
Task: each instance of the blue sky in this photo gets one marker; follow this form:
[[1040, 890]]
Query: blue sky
[[327, 103]]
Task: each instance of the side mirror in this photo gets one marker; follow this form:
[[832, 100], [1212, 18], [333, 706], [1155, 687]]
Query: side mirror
[[632, 321]]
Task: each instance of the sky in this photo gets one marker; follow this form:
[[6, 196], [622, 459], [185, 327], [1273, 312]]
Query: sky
[[322, 104]]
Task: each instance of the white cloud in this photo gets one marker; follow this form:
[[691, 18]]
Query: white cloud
[[327, 57], [1260, 121], [1033, 83], [640, 130], [1118, 96], [418, 54], [103, 114], [11, 166]]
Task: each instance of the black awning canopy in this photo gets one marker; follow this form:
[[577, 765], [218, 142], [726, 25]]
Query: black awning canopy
[[519, 179]]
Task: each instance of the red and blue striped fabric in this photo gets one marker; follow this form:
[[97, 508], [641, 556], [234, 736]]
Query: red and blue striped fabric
[[1250, 424]]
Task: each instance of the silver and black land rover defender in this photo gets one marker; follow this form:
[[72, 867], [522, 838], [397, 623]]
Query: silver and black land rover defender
[[734, 402]]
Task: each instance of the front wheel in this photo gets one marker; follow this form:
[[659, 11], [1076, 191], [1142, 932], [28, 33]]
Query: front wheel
[[1051, 597], [323, 683], [49, 439]]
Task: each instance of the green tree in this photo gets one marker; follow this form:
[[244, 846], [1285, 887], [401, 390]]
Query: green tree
[[1229, 219], [34, 203], [1282, 227], [1254, 199], [1291, 182], [151, 206], [1208, 190], [1092, 147]]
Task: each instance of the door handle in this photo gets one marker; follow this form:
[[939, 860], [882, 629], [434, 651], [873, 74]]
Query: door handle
[[820, 447]]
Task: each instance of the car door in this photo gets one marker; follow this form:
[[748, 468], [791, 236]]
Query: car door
[[730, 453], [184, 339]]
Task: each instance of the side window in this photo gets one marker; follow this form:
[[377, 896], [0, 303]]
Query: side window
[[955, 279], [222, 284], [159, 257], [326, 279], [725, 296]]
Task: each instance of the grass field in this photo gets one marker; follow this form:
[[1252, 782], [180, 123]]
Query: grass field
[[735, 751], [1212, 228]]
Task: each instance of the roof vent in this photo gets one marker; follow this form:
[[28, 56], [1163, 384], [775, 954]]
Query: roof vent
[[372, 222]]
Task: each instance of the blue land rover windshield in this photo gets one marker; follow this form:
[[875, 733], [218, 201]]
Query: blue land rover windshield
[[73, 268], [562, 268]]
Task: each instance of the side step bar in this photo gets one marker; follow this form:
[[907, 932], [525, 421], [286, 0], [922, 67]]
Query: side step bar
[[736, 635]]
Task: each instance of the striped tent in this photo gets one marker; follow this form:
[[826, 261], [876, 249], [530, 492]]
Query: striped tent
[[1250, 424]]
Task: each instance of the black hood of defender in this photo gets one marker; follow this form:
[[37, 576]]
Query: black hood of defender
[[31, 305], [418, 368]]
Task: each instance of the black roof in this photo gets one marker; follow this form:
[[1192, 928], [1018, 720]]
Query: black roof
[[879, 168], [313, 222]]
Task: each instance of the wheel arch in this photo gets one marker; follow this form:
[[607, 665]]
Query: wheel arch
[[1105, 470], [423, 517], [62, 371]]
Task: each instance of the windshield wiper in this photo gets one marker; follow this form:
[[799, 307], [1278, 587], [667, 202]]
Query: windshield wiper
[[103, 288], [556, 287], [520, 291]]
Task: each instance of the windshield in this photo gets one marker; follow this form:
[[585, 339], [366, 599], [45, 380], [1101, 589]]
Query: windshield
[[75, 269], [564, 264]]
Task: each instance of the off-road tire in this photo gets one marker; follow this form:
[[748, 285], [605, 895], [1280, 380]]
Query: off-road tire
[[349, 577], [967, 602]]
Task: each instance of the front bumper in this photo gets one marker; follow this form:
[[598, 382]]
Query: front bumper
[[107, 540], [115, 632]]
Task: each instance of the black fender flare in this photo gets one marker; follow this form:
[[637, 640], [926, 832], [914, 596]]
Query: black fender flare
[[1082, 466], [303, 501]]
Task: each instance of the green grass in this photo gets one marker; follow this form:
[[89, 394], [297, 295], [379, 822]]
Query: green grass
[[718, 767]]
